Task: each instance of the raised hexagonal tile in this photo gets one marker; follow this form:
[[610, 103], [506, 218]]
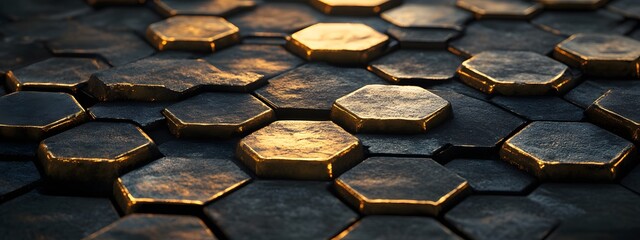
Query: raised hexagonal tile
[[427, 16], [198, 7], [156, 79], [147, 115], [17, 178], [281, 210], [589, 91], [491, 35], [501, 217], [217, 115], [511, 9], [195, 33], [628, 8], [54, 74], [318, 150], [603, 55], [616, 111], [275, 19], [267, 60], [154, 226], [568, 151], [491, 176], [91, 156], [516, 73], [346, 43], [540, 108], [354, 7], [416, 66], [384, 185], [394, 109], [121, 18], [35, 115], [174, 182], [572, 22], [572, 4], [397, 227], [309, 91]]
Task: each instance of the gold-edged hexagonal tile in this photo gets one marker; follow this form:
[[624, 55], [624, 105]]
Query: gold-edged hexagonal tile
[[572, 4], [154, 226], [617, 111], [209, 7], [354, 7], [195, 33], [508, 9], [67, 74], [413, 15]]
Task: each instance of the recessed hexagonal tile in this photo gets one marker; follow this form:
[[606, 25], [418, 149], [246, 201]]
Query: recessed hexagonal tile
[[54, 217], [501, 217], [318, 150], [516, 73], [511, 9], [601, 54], [354, 7], [195, 33], [384, 185], [393, 109], [199, 149], [31, 31], [572, 22], [568, 151], [217, 115], [397, 227], [198, 7], [544, 108], [275, 19], [177, 182], [93, 155], [628, 8], [491, 176], [42, 9], [589, 91], [117, 48], [166, 80], [427, 16], [54, 74], [632, 180], [121, 19], [309, 91], [281, 210], [346, 43], [146, 114], [17, 55], [17, 178], [491, 35], [34, 115], [572, 4], [416, 66], [374, 22], [425, 38], [616, 111], [267, 60], [154, 226]]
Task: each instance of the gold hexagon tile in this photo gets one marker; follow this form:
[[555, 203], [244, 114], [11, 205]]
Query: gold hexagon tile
[[354, 7], [195, 33], [507, 9]]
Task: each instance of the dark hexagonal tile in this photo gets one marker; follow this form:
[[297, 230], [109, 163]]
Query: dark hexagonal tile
[[423, 38], [398, 228], [632, 180], [16, 55], [198, 7], [628, 8], [275, 19], [154, 226], [416, 66], [121, 19], [145, 114], [55, 74], [267, 60], [427, 16], [18, 177], [540, 108], [39, 30], [491, 176], [615, 110], [505, 9], [572, 4], [42, 9], [199, 149], [589, 91], [281, 210], [354, 7], [571, 22]]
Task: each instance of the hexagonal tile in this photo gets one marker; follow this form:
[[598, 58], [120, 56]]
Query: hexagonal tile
[[491, 35], [195, 33], [397, 227], [35, 115], [601, 54], [425, 38], [345, 43], [616, 111], [568, 151], [154, 226], [491, 176], [416, 66], [54, 74], [572, 4], [275, 19], [174, 182], [628, 8], [120, 18], [217, 115], [155, 79], [427, 16], [572, 22], [147, 115], [54, 217], [267, 60], [392, 109], [501, 217], [589, 91], [17, 178], [31, 31], [281, 210], [214, 8], [354, 7], [91, 156], [385, 185], [309, 91], [516, 73], [510, 9], [17, 55], [542, 108], [199, 149], [632, 180], [39, 9], [374, 22], [318, 150], [117, 48]]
